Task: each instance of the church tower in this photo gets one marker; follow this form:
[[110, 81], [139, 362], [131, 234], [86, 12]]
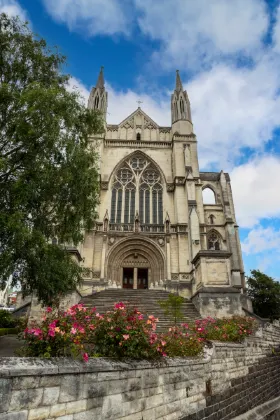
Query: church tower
[[98, 98], [181, 109]]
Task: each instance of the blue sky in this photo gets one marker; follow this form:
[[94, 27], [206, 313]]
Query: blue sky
[[228, 53]]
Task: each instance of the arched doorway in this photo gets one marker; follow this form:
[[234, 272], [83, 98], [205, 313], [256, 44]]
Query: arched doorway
[[135, 263]]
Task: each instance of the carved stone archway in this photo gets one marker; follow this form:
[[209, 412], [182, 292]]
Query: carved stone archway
[[138, 252]]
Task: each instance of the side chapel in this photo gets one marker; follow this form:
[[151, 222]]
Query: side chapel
[[157, 228]]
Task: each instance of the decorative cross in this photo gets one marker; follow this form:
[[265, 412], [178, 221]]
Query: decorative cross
[[139, 102]]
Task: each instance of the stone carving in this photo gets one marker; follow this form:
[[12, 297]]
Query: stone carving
[[149, 124], [95, 274], [170, 187], [104, 185], [179, 180], [161, 241], [174, 276], [112, 240]]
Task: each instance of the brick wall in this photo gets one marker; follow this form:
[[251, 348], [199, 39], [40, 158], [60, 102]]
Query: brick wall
[[230, 380]]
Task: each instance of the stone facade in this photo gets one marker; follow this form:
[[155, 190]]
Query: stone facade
[[154, 229], [231, 380]]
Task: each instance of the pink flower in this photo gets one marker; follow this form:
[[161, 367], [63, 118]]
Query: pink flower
[[81, 329], [49, 309], [37, 332], [73, 330], [85, 357], [163, 343], [91, 327], [51, 332], [53, 324], [140, 317], [119, 305], [126, 336]]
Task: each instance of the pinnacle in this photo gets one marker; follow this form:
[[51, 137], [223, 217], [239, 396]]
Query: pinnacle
[[100, 80], [179, 86]]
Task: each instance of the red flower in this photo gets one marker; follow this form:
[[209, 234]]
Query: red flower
[[85, 357]]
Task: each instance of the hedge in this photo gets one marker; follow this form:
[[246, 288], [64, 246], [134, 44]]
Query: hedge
[[6, 331]]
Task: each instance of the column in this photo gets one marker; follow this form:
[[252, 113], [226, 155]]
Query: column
[[135, 272], [103, 254], [168, 259]]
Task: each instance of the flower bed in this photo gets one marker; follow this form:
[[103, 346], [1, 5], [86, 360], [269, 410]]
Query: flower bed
[[125, 332]]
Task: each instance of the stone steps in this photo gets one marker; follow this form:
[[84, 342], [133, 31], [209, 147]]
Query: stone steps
[[146, 301]]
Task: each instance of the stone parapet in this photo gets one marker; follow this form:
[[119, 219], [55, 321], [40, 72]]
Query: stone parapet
[[230, 380]]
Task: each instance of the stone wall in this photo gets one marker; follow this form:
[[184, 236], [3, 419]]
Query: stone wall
[[230, 380]]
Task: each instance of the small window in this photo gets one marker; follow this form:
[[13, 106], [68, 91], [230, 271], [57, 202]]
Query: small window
[[138, 137], [212, 219], [208, 196]]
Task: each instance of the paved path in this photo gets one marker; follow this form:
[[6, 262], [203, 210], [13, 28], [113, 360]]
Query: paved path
[[8, 345]]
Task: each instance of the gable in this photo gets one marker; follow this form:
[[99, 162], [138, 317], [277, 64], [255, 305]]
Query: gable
[[139, 119]]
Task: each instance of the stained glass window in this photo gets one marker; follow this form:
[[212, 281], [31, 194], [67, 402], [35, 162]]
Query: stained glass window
[[137, 178]]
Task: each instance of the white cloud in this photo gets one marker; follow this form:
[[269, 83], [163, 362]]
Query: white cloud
[[198, 31], [234, 108], [91, 17], [255, 188], [123, 103], [75, 85], [190, 32], [12, 8], [261, 240]]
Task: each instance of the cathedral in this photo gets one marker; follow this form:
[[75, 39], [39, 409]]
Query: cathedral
[[162, 223]]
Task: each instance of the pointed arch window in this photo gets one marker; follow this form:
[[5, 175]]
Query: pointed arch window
[[137, 184], [175, 111], [96, 101], [182, 108], [138, 136], [208, 196], [213, 242]]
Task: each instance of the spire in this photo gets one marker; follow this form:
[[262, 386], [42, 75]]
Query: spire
[[98, 98], [100, 80], [180, 104], [179, 86]]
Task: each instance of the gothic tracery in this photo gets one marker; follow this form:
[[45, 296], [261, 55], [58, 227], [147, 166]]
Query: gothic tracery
[[137, 186]]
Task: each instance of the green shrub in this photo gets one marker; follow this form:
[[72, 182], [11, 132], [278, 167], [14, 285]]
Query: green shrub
[[6, 331], [125, 332], [175, 343], [173, 307], [6, 319], [233, 329]]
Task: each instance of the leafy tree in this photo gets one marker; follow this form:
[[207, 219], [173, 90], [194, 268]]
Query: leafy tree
[[48, 166], [173, 307], [265, 294], [6, 319]]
